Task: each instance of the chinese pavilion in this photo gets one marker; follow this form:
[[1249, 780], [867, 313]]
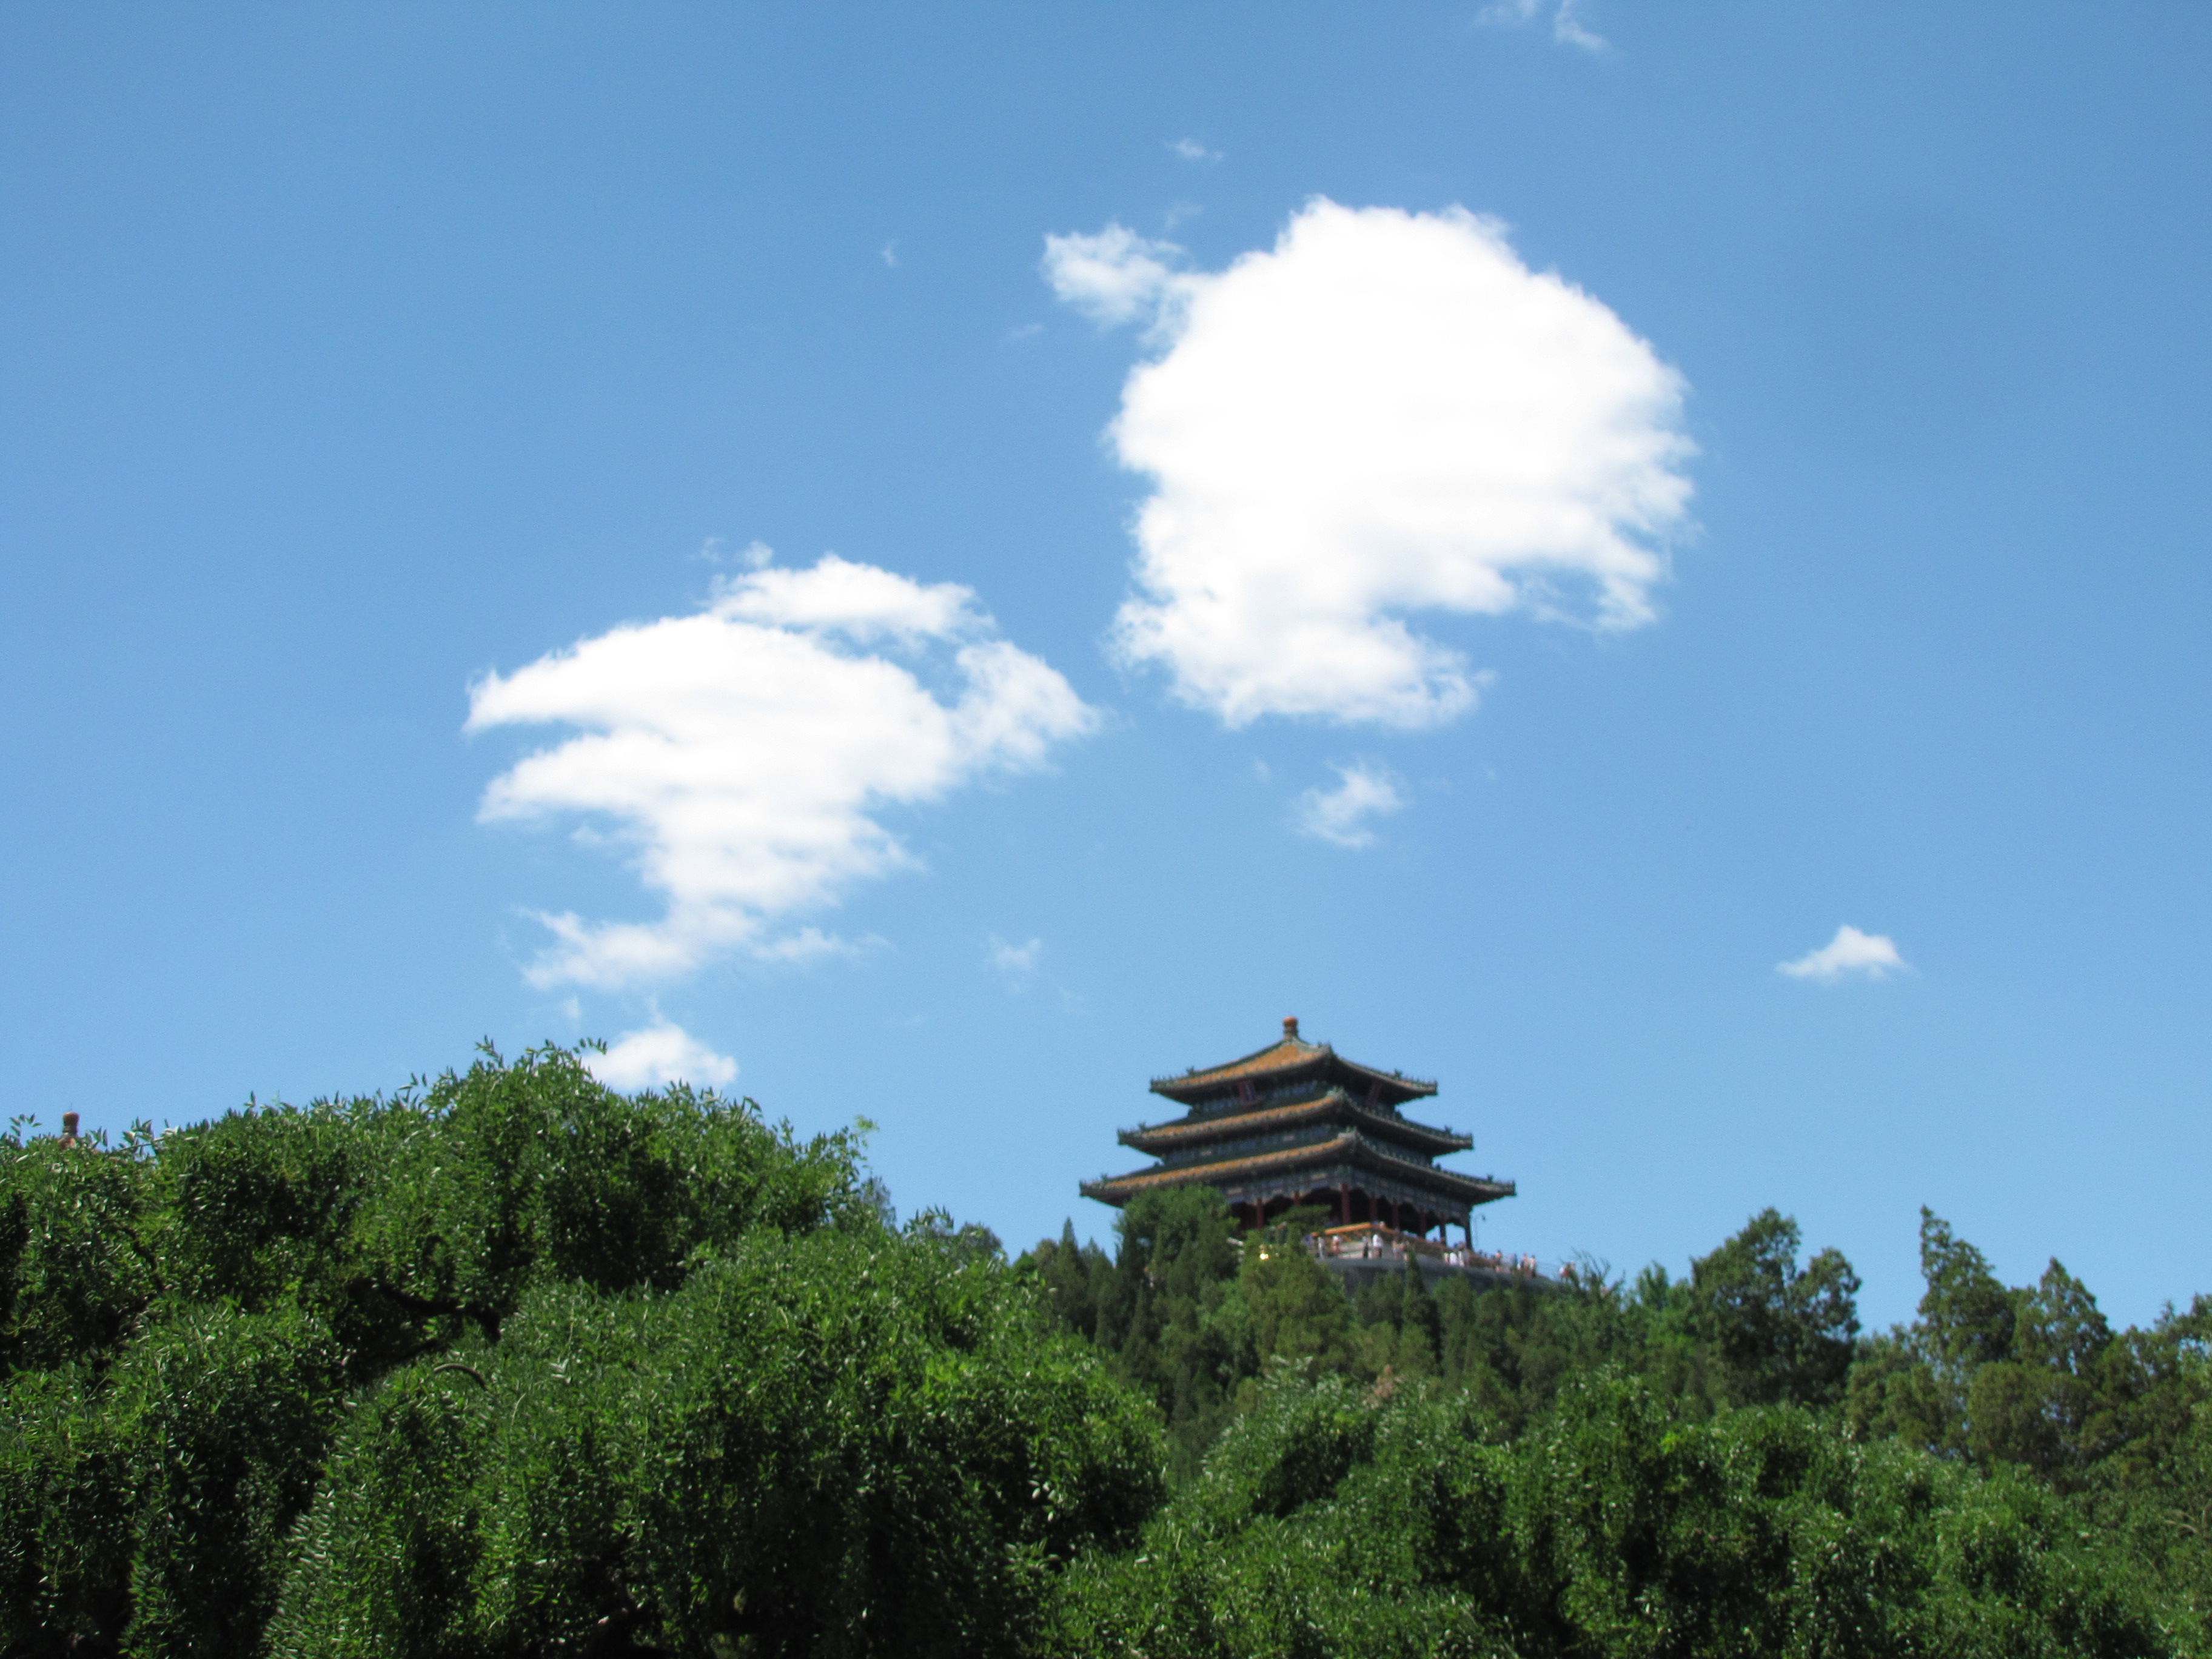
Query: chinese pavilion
[[1296, 1123]]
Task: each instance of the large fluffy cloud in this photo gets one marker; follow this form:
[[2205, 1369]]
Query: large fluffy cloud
[[1386, 413], [746, 752]]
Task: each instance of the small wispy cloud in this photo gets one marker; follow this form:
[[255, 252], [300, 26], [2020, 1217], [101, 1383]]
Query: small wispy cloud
[[1016, 961], [1191, 151], [809, 945], [1341, 816], [889, 254], [1567, 26], [751, 556], [1114, 276], [661, 1053], [1871, 956]]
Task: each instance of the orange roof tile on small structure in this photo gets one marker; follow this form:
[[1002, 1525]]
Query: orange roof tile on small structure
[[1291, 1052], [1297, 1118], [1228, 1125], [1350, 1146]]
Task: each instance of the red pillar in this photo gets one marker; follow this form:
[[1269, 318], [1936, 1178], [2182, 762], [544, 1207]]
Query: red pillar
[[1343, 1205]]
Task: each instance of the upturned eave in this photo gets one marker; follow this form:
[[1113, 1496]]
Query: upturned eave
[[1349, 1151], [1160, 1139]]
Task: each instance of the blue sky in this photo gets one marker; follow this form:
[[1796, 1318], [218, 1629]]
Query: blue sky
[[1487, 531]]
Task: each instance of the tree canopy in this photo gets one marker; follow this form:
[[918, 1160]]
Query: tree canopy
[[507, 1364], [511, 1364], [1385, 1473]]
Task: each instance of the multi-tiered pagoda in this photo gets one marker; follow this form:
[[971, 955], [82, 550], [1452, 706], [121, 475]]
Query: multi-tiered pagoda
[[1297, 1124]]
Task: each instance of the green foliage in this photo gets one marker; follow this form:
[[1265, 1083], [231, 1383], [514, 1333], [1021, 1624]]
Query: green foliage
[[65, 1515], [1716, 1464], [511, 1364], [1074, 1278], [1161, 1311], [153, 1504], [897, 1453], [224, 1415], [2033, 1379], [1292, 1308], [1777, 1332], [74, 1273], [1189, 1313], [2032, 1375], [1328, 1521], [1184, 1314]]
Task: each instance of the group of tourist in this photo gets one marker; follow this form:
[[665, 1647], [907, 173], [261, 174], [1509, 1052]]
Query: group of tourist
[[1384, 1244]]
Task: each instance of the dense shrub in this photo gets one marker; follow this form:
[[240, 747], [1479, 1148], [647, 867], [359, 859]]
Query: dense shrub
[[511, 1364], [1753, 1466], [822, 1443], [1331, 1521]]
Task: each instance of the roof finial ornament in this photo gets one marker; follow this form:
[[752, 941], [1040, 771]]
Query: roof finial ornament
[[1289, 1028]]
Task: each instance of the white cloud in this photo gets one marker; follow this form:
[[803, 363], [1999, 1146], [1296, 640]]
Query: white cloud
[[1191, 151], [1874, 955], [1115, 277], [1014, 961], [1567, 26], [863, 603], [1386, 413], [808, 944], [1364, 791], [751, 556], [746, 752], [658, 1055]]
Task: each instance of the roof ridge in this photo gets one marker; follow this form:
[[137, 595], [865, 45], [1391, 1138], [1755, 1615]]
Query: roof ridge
[[1287, 1052], [1225, 1124], [1299, 1043]]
